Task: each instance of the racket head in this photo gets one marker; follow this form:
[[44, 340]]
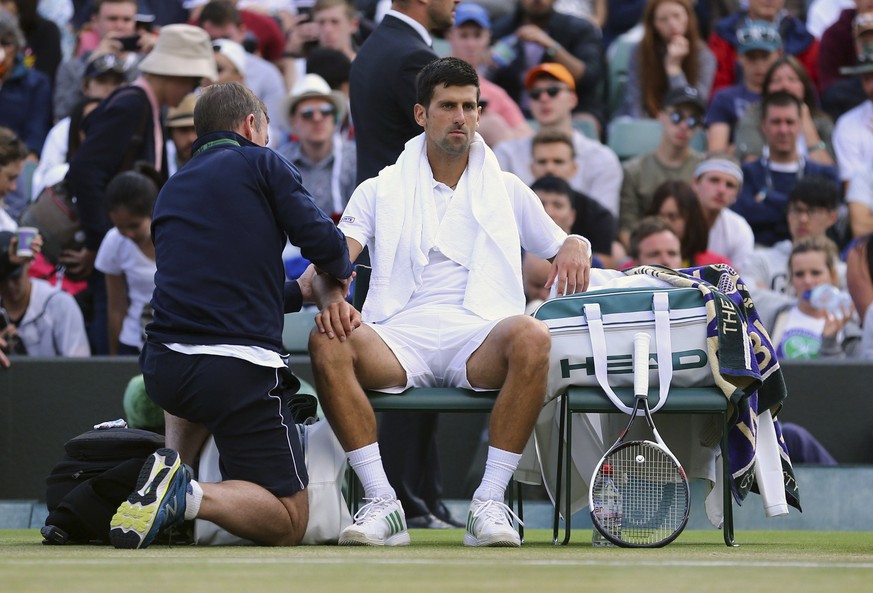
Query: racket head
[[655, 497]]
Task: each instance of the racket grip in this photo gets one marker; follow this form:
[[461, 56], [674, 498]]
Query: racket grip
[[641, 363]]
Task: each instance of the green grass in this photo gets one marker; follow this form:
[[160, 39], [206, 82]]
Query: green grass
[[699, 562]]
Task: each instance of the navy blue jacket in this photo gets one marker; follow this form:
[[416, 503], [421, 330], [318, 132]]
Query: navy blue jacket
[[26, 105], [768, 216], [382, 90], [123, 122], [219, 227]]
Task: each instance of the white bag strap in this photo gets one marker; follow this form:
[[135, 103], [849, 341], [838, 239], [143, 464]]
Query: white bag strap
[[598, 349], [663, 347]]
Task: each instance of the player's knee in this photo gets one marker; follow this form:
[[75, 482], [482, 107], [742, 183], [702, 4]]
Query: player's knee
[[531, 339], [323, 350]]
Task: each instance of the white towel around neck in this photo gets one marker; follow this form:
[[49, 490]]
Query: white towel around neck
[[478, 232]]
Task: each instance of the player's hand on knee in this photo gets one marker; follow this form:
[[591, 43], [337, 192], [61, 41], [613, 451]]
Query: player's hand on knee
[[338, 319]]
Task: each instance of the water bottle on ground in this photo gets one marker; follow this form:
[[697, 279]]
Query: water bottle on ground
[[608, 505]]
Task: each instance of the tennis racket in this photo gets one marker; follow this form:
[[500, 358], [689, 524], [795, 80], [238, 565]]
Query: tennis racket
[[639, 495]]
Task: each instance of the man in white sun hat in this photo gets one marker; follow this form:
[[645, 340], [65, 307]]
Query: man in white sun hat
[[326, 163], [124, 129]]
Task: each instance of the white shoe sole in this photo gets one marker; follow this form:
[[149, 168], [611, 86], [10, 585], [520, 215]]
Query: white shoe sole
[[495, 541], [357, 538]]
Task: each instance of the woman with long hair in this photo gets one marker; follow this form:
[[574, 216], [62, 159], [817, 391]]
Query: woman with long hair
[[814, 142], [676, 203], [670, 55]]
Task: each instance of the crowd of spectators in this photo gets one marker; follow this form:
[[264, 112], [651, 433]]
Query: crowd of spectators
[[734, 103]]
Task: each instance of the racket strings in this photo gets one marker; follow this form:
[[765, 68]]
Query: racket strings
[[652, 490]]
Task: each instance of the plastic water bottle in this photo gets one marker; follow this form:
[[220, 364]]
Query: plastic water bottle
[[829, 298], [608, 505], [504, 51]]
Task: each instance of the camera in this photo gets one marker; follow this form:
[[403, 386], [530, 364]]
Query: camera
[[130, 43]]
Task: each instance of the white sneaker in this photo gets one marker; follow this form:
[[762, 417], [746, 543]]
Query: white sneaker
[[380, 522], [489, 523]]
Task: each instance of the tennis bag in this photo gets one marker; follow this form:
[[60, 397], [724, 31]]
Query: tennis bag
[[593, 332], [99, 470]]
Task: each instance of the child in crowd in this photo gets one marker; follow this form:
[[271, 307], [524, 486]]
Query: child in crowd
[[127, 258], [803, 331]]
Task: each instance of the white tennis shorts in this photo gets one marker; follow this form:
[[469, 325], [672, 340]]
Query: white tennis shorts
[[433, 345]]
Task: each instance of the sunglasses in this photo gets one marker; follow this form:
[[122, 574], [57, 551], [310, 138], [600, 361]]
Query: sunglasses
[[692, 120], [551, 91], [760, 34], [108, 63], [308, 113]]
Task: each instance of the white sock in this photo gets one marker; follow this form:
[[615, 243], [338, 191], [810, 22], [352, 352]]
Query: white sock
[[367, 463], [193, 498], [499, 468]]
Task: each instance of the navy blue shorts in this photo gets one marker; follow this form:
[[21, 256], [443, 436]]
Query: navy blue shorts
[[254, 432]]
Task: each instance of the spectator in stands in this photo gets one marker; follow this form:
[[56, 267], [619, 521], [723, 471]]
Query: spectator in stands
[[563, 205], [670, 55], [102, 75], [335, 68], [112, 20], [127, 259], [537, 34], [337, 23], [36, 319], [222, 20], [42, 37], [859, 197], [573, 211], [859, 277], [726, 40], [181, 58], [763, 200], [180, 127], [821, 14], [839, 48], [262, 33], [816, 128], [812, 212], [501, 118], [25, 94], [551, 89], [676, 204], [12, 154], [717, 181], [327, 165], [759, 48], [681, 116], [230, 61], [803, 331], [853, 136], [653, 242]]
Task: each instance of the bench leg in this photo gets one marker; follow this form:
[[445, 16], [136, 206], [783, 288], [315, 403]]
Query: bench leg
[[728, 499], [559, 478]]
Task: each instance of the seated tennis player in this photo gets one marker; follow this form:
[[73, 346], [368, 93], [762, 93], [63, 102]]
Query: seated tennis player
[[446, 228]]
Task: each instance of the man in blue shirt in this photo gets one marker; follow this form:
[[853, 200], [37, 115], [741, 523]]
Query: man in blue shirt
[[759, 45], [211, 357], [763, 201]]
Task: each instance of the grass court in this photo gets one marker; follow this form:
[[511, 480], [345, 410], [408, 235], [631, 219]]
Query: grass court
[[698, 562]]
